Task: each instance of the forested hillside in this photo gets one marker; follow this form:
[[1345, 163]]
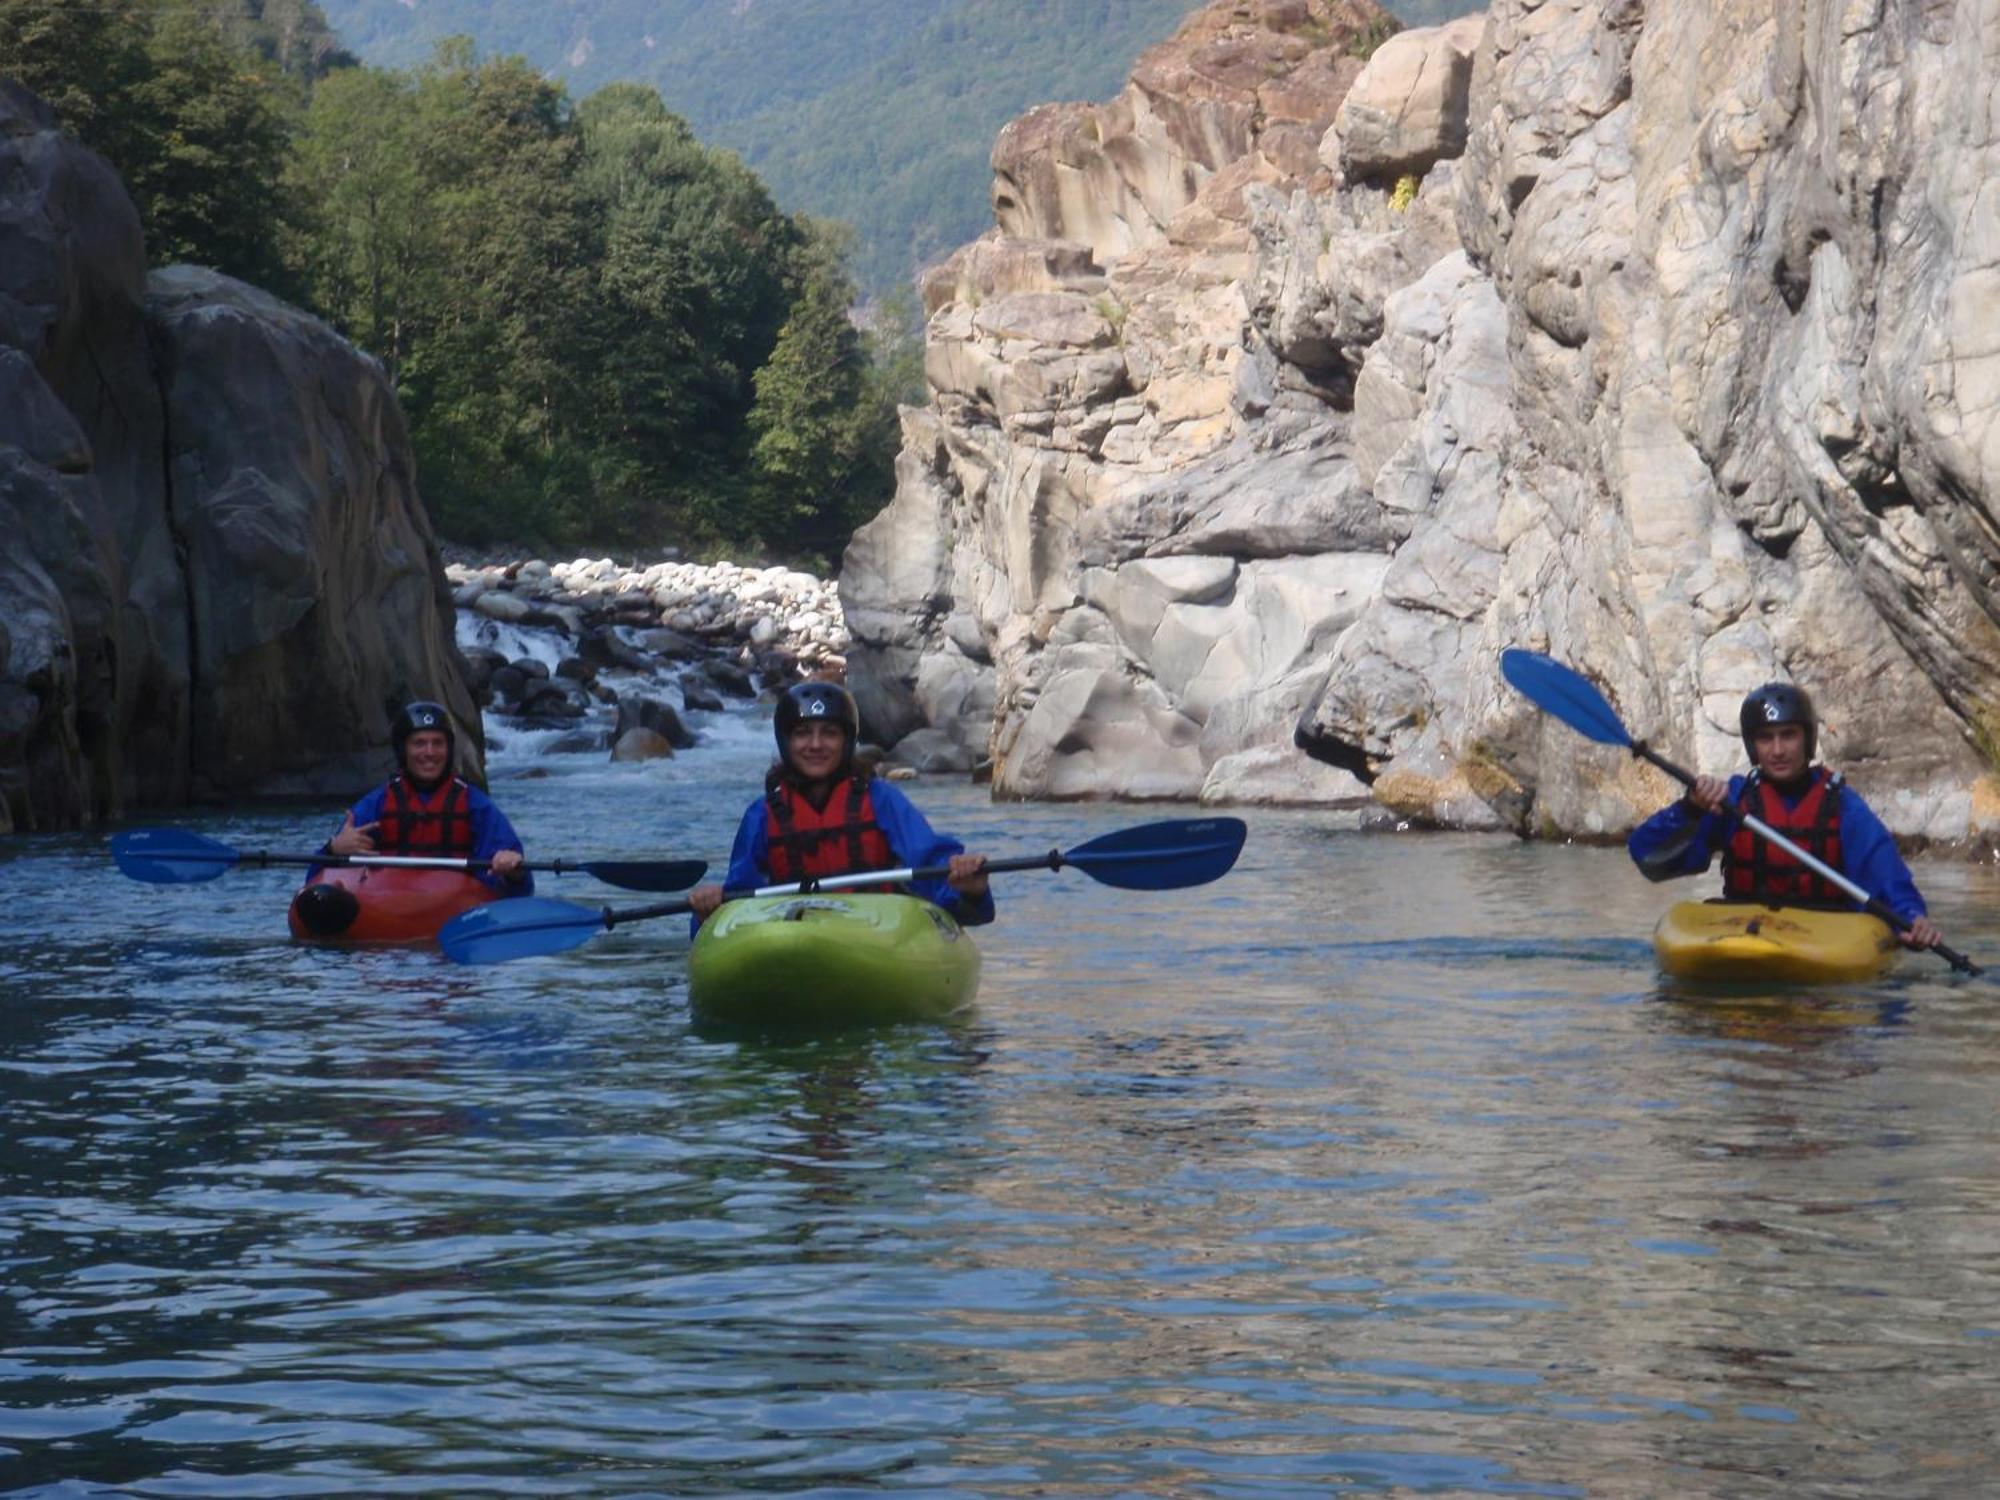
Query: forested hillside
[[876, 112], [600, 329], [601, 326]]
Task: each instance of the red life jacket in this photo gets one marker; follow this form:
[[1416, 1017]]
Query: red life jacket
[[1755, 869], [808, 842], [415, 823]]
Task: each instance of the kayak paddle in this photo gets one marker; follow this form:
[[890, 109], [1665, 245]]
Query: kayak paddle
[[1152, 857], [1571, 697], [174, 856]]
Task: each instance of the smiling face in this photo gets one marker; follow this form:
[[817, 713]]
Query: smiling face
[[426, 755], [816, 748], [1780, 751]]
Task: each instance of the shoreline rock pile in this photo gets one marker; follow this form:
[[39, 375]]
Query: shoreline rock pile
[[705, 633]]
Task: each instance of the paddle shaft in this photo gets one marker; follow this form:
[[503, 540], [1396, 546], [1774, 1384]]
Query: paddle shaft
[[1053, 860], [1152, 857], [261, 858], [1818, 866]]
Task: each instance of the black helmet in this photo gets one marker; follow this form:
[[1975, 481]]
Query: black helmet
[[1778, 703], [423, 714], [804, 702]]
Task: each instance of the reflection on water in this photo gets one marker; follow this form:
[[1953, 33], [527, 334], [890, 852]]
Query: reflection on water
[[1387, 1164]]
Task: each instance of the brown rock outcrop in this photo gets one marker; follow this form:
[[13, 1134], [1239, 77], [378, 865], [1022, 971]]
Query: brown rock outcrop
[[216, 579], [1682, 368], [1107, 396], [1256, 79]]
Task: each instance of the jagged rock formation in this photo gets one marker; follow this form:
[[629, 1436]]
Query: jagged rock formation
[[217, 579], [1659, 337]]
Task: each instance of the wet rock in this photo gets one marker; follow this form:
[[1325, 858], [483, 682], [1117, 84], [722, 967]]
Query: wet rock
[[548, 700], [480, 667], [774, 622], [641, 744], [932, 751], [650, 713], [603, 647], [579, 742], [509, 608], [506, 685], [668, 644], [730, 678]]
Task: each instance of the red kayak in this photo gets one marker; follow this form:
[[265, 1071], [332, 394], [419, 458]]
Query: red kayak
[[377, 905]]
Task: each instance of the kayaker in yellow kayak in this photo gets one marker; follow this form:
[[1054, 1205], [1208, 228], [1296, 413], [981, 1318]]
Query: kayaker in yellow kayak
[[819, 817], [1808, 804]]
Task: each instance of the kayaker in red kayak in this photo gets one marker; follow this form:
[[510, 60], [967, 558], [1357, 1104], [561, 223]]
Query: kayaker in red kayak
[[426, 810], [1808, 804], [820, 817]]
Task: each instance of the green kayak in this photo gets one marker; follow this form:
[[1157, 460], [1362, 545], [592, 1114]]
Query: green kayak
[[833, 959]]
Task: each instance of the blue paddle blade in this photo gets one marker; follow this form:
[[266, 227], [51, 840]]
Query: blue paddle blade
[[1555, 689], [646, 874], [170, 856], [1162, 856], [519, 927]]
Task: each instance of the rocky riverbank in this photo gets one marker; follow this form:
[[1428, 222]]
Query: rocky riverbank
[[1298, 382], [651, 643]]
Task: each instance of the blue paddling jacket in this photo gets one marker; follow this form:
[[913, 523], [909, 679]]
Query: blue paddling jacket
[[1679, 840], [911, 839], [491, 832]]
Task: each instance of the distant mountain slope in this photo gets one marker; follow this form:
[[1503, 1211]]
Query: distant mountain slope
[[878, 112]]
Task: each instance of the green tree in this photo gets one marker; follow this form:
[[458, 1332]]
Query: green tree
[[824, 443], [195, 125], [689, 296], [209, 188], [86, 61], [488, 379], [365, 250], [894, 338]]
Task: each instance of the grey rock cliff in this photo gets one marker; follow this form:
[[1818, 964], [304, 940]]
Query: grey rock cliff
[[216, 579], [317, 599], [1658, 337]]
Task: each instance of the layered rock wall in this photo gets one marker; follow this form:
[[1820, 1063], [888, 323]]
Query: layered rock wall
[[1658, 337], [216, 578]]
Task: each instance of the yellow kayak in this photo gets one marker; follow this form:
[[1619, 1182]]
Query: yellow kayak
[[1741, 942]]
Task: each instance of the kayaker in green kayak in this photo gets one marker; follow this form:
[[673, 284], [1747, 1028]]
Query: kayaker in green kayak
[[1807, 803], [821, 817]]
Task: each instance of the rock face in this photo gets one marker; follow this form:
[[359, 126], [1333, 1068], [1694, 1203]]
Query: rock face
[[92, 613], [1657, 337], [317, 604], [217, 580]]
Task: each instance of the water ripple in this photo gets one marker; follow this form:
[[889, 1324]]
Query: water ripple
[[1386, 1166]]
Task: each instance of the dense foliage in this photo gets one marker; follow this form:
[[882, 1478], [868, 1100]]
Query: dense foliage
[[601, 330], [880, 113], [192, 122]]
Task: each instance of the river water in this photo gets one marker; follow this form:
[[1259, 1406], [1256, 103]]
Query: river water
[[1385, 1164]]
